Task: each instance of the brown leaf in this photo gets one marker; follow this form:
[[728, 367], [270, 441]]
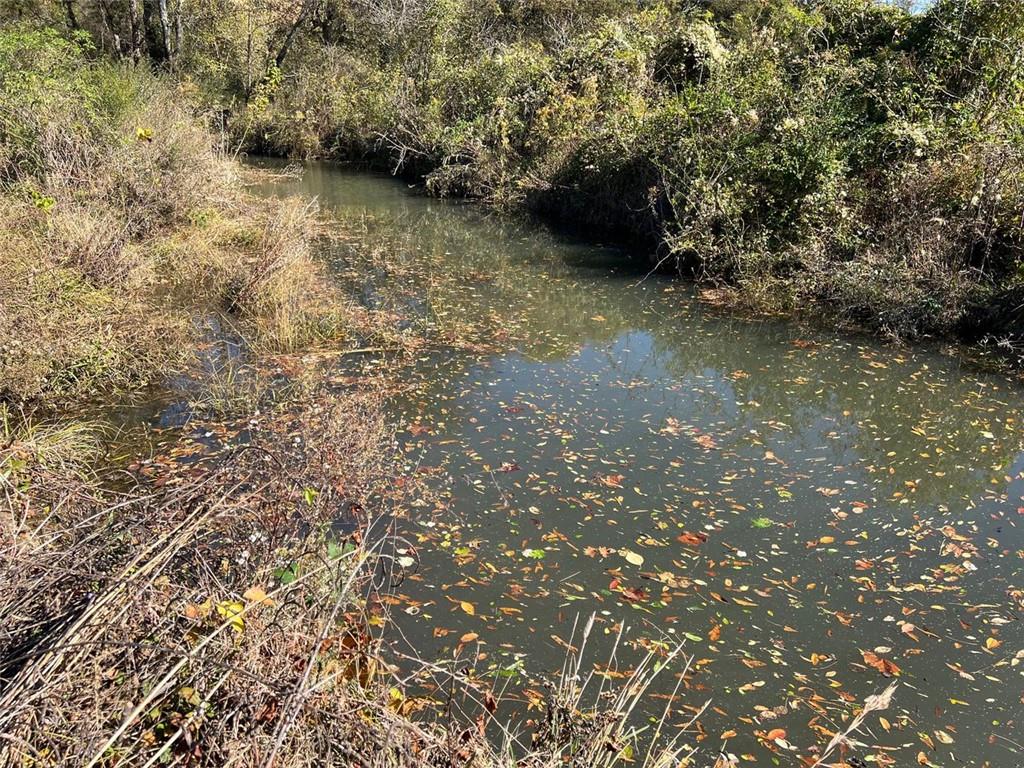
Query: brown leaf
[[886, 667], [692, 539], [611, 481]]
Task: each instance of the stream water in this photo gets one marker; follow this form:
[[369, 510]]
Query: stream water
[[812, 515]]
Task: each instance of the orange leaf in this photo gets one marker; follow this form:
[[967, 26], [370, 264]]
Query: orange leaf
[[886, 667], [692, 539], [257, 595]]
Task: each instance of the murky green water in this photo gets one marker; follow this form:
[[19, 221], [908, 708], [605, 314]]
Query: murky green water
[[784, 501]]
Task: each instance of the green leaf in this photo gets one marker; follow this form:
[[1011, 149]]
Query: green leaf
[[287, 575]]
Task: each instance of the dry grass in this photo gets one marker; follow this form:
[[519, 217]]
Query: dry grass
[[62, 335], [289, 301], [57, 450], [121, 222], [82, 309], [131, 624], [219, 616]]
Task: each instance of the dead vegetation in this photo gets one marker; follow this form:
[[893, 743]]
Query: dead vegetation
[[214, 617], [230, 612]]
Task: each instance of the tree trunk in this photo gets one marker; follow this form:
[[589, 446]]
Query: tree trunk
[[69, 9], [135, 31], [108, 25], [177, 29], [165, 30], [157, 34], [304, 12]]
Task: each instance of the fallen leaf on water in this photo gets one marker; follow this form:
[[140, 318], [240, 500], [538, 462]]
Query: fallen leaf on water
[[692, 539], [611, 481], [632, 557], [886, 667], [633, 594]]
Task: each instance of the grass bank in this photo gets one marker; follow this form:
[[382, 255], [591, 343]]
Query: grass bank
[[123, 225]]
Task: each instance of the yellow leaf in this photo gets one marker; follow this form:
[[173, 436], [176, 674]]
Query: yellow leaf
[[467, 607], [632, 557], [991, 643], [231, 611], [190, 696]]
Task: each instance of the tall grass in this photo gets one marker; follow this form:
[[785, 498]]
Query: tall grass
[[30, 448], [120, 220]]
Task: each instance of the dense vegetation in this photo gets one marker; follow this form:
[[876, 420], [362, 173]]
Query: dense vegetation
[[852, 156]]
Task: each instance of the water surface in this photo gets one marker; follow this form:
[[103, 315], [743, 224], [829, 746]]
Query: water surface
[[813, 515]]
